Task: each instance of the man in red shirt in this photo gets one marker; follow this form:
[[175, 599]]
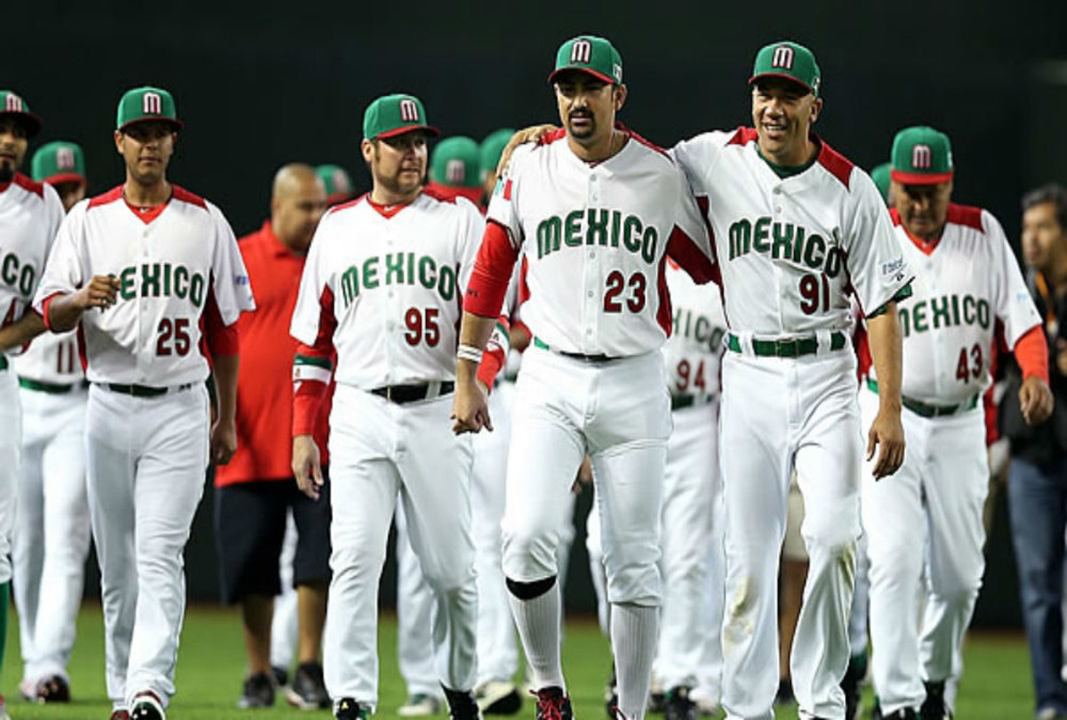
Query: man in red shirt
[[255, 491]]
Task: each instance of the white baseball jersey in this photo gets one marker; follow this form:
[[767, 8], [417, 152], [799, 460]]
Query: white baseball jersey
[[790, 250], [694, 349], [52, 359], [30, 215], [167, 268], [967, 282], [390, 282], [595, 240]]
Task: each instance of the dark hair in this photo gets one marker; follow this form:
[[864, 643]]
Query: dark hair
[[1052, 193]]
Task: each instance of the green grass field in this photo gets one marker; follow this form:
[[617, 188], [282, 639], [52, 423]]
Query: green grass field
[[211, 662]]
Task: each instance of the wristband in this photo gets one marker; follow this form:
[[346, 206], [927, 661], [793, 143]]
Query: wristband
[[469, 352]]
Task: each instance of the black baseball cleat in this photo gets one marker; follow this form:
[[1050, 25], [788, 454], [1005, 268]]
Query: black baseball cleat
[[498, 697], [120, 715], [852, 684], [349, 709], [552, 704], [933, 707], [462, 705], [308, 690], [53, 689], [678, 706], [257, 692], [280, 676], [147, 706], [611, 694], [902, 714]]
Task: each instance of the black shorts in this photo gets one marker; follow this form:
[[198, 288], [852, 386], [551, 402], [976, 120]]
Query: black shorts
[[250, 522]]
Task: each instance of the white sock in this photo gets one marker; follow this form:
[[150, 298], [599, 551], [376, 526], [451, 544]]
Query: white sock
[[538, 623], [634, 632]]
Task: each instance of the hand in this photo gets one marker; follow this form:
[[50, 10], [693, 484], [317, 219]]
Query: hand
[[585, 475], [1061, 355], [307, 466], [102, 292], [223, 441], [530, 134], [470, 407], [1035, 400], [886, 432]]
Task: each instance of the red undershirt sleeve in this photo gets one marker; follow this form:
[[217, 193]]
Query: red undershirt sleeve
[[1031, 352], [492, 272]]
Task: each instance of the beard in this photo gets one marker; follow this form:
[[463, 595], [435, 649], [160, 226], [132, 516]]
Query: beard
[[7, 171], [582, 133]]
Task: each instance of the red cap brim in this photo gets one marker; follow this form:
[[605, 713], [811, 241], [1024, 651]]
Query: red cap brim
[[906, 178], [428, 129], [588, 71], [65, 178], [783, 76]]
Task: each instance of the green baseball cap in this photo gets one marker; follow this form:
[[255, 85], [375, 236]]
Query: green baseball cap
[[921, 156], [12, 105], [880, 175], [456, 162], [59, 162], [336, 180], [589, 54], [788, 60], [147, 104], [393, 115], [492, 148]]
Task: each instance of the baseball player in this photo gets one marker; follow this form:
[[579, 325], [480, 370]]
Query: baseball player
[[880, 175], [456, 168], [30, 214], [691, 500], [140, 267], [52, 526], [490, 150], [969, 280], [796, 227], [593, 210], [389, 305], [338, 184]]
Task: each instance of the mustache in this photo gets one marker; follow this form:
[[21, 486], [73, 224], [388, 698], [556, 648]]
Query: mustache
[[581, 112]]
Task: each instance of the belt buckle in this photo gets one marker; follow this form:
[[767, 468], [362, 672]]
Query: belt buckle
[[787, 348], [389, 393]]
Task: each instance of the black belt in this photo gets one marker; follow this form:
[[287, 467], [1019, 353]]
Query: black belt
[[681, 402], [145, 391], [47, 387], [791, 348], [538, 342], [927, 410], [403, 394]]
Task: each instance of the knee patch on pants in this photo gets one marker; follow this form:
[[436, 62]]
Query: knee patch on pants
[[530, 590]]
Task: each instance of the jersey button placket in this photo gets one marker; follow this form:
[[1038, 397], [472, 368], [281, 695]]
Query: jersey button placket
[[592, 278], [393, 311], [144, 322]]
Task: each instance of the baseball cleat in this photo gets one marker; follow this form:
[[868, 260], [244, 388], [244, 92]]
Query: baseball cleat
[[120, 715], [852, 684], [498, 697], [279, 675], [611, 694], [933, 707], [706, 704], [53, 689], [147, 706], [258, 692], [349, 709], [677, 705], [552, 704], [902, 714], [462, 705], [308, 690], [419, 705]]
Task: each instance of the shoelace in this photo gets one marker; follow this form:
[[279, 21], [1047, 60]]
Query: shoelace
[[549, 705]]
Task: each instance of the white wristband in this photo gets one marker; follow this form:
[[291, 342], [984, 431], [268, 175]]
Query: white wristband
[[469, 352]]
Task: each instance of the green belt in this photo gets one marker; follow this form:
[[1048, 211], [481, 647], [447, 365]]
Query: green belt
[[797, 347], [927, 410], [3, 362], [46, 387], [538, 342]]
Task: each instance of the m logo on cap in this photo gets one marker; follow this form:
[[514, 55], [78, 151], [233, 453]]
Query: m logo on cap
[[151, 104], [340, 181], [582, 52], [12, 103], [65, 159], [409, 111], [921, 157], [783, 57], [455, 171]]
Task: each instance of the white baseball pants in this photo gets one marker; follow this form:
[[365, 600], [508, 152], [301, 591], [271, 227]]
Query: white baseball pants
[[415, 604], [777, 414], [285, 625], [51, 529], [145, 461], [10, 459], [379, 451], [928, 514]]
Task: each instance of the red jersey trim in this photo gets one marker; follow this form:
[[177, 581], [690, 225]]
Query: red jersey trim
[[350, 203], [443, 193], [966, 215], [744, 136], [664, 312], [29, 185], [643, 141], [835, 163], [185, 196], [112, 195], [552, 137]]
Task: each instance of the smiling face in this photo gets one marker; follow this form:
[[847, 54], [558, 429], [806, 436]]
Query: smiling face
[[13, 144], [398, 163], [147, 148], [783, 112], [587, 106]]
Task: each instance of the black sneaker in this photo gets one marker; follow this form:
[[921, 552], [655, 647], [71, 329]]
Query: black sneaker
[[147, 706], [280, 676], [258, 692], [852, 684], [462, 705], [552, 704], [933, 707], [903, 714], [308, 690], [678, 706], [611, 694], [53, 689], [349, 709], [784, 696]]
